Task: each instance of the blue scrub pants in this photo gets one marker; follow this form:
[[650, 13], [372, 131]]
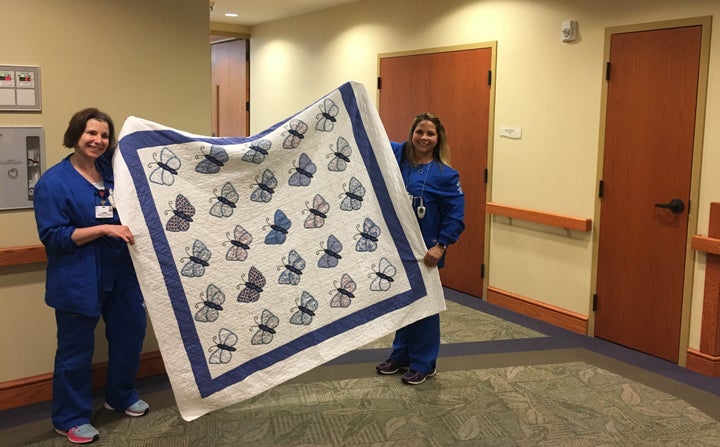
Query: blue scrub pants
[[418, 344], [124, 314]]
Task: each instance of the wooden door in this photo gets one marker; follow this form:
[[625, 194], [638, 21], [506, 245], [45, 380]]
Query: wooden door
[[229, 88], [455, 86], [647, 162]]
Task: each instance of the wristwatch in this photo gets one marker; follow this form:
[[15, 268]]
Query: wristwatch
[[441, 245]]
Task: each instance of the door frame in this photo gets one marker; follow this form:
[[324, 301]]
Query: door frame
[[492, 45], [699, 132]]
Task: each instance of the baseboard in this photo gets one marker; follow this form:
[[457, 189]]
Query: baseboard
[[541, 311], [704, 364], [30, 390]]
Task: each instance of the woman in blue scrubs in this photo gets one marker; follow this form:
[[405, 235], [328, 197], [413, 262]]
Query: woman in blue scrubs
[[439, 205], [89, 274]]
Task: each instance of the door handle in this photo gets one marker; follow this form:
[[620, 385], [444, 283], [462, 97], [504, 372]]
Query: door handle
[[676, 206]]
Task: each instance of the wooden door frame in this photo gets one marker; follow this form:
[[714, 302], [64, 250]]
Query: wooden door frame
[[705, 23], [492, 45]]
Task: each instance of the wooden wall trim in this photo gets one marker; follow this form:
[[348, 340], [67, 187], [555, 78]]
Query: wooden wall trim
[[555, 220], [704, 364], [30, 390], [545, 312], [706, 244], [26, 254], [710, 319]]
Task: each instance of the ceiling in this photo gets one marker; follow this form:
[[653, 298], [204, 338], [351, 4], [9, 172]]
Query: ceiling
[[255, 12]]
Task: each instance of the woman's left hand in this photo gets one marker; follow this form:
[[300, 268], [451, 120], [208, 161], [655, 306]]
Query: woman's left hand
[[433, 255]]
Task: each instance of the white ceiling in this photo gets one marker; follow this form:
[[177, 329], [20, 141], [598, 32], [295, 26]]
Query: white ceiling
[[254, 12]]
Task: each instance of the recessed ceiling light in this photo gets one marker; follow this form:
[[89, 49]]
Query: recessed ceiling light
[[230, 14]]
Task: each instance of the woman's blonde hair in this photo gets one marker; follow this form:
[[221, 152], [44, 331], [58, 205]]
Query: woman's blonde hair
[[441, 151]]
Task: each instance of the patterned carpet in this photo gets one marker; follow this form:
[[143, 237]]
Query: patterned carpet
[[556, 395]]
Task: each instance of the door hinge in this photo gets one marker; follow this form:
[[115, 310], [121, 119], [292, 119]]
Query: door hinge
[[485, 175], [379, 84], [688, 208], [247, 106], [489, 77], [482, 270], [607, 71], [594, 304], [601, 187]]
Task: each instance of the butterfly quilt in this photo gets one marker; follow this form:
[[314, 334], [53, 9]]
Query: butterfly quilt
[[263, 257]]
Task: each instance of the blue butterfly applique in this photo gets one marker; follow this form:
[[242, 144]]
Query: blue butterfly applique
[[213, 161], [295, 133], [264, 188], [368, 236], [225, 202], [252, 287], [383, 275], [257, 151], [331, 254], [318, 212], [211, 305], [326, 118], [265, 328], [292, 269], [341, 155], [353, 196], [240, 241], [183, 213], [222, 351], [303, 172], [306, 307], [167, 167], [343, 293], [279, 228], [197, 261]]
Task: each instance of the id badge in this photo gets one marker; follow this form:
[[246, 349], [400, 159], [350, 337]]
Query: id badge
[[103, 212]]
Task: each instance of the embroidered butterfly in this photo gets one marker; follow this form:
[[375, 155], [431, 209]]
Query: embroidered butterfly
[[318, 212], [331, 254], [198, 260], [265, 328], [265, 187], [293, 269], [240, 244], [383, 275], [213, 161], [326, 119], [341, 155], [296, 130], [343, 293], [225, 202], [306, 307], [257, 151], [353, 197], [279, 228], [211, 305], [167, 167], [183, 213], [224, 347], [253, 286], [303, 172], [368, 236]]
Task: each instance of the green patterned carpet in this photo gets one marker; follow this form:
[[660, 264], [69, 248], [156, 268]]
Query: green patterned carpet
[[561, 397]]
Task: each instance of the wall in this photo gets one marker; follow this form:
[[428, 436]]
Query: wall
[[130, 57], [550, 88]]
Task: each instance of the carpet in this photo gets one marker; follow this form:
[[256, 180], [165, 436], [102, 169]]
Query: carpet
[[261, 258]]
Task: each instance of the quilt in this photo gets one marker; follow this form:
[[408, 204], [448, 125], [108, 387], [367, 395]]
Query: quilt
[[263, 257]]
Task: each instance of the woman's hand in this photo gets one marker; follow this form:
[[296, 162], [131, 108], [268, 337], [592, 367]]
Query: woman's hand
[[122, 232], [82, 236], [433, 255]]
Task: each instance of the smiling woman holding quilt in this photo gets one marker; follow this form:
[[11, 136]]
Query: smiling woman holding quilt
[[439, 205], [89, 274]]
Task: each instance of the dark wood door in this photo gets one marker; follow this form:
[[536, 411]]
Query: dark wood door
[[453, 85], [649, 137]]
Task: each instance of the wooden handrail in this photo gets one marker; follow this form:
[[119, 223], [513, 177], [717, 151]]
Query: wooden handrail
[[706, 244], [555, 220], [26, 254]]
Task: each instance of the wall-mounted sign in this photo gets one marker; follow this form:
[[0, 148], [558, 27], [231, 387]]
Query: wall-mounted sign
[[20, 88]]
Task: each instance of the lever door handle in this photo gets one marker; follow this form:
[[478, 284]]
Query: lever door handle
[[676, 206]]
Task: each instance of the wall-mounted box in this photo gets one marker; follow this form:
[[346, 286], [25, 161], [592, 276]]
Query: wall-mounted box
[[20, 88], [22, 161]]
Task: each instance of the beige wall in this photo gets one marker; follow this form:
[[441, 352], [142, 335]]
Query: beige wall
[[550, 88], [129, 57]]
